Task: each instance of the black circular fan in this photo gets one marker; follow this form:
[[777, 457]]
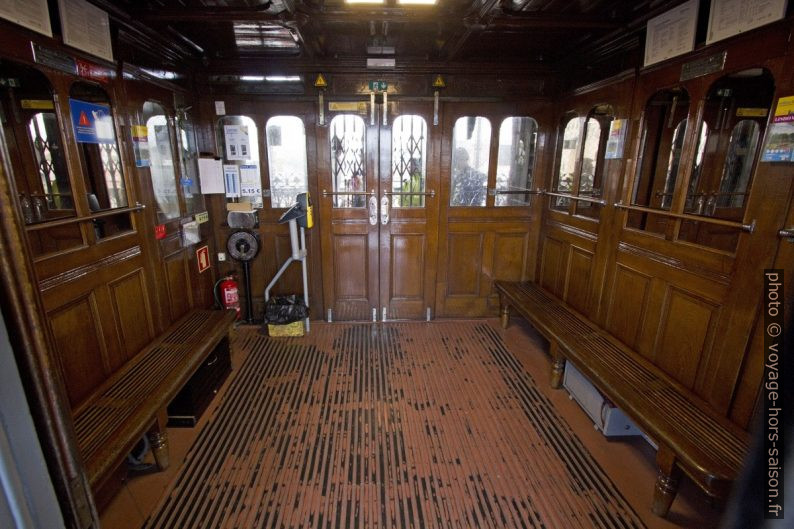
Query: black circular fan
[[243, 246]]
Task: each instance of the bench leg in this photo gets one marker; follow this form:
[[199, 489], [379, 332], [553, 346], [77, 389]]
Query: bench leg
[[158, 438], [504, 315], [557, 366], [666, 482]]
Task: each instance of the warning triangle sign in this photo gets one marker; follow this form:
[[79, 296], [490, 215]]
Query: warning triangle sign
[[320, 82], [438, 82], [84, 122]]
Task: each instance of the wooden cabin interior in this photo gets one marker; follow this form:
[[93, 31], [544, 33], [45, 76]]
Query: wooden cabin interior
[[509, 203]]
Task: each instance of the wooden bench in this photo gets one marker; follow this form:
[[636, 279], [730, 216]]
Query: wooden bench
[[134, 400], [692, 437]]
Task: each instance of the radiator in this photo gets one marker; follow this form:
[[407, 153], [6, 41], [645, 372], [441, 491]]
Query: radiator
[[607, 418]]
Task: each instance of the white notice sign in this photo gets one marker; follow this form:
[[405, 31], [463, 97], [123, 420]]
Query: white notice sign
[[211, 176], [672, 33], [250, 183], [32, 14], [238, 146], [86, 28], [231, 177], [731, 17]]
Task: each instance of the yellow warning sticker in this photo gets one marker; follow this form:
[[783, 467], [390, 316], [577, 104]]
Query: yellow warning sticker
[[750, 112], [37, 104], [320, 82], [438, 82]]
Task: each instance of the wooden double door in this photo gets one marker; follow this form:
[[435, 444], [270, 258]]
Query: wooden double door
[[378, 207]]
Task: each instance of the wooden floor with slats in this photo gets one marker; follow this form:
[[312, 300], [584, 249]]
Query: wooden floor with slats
[[403, 425]]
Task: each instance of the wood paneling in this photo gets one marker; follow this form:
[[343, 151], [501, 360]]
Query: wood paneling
[[133, 313], [464, 264], [79, 347], [350, 280], [577, 286], [552, 268], [627, 304], [177, 285], [685, 327], [510, 256], [407, 274]]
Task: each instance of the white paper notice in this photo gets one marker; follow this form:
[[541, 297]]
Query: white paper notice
[[32, 14], [250, 183], [672, 33], [211, 176], [86, 28], [231, 176], [220, 108], [238, 146], [731, 17]]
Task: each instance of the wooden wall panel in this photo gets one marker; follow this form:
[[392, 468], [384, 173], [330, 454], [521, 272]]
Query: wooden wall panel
[[552, 267], [685, 329], [407, 275], [510, 256], [464, 264], [578, 273], [627, 303], [351, 283], [133, 314], [80, 348], [177, 283]]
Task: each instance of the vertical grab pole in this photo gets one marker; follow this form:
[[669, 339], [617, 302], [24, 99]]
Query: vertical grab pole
[[305, 274]]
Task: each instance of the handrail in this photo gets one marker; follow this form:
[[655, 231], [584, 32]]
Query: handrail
[[346, 193], [749, 228], [76, 220], [599, 201], [494, 191], [431, 193]]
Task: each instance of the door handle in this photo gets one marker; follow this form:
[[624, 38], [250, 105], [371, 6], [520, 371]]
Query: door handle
[[786, 233], [384, 210], [373, 210]]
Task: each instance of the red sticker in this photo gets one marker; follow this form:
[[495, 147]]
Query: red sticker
[[203, 258], [159, 231]]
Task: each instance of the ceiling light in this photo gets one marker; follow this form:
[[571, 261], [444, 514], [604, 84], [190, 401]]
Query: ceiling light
[[283, 78], [417, 2], [255, 78], [363, 1]]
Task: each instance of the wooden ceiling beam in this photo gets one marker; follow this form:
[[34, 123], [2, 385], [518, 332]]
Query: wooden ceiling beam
[[541, 21], [207, 14]]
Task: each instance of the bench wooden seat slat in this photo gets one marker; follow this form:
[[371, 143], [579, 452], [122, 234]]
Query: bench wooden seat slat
[[118, 413], [704, 444]]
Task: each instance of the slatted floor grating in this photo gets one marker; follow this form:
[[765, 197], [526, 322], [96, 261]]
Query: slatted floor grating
[[403, 425]]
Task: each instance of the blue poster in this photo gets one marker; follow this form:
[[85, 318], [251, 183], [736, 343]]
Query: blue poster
[[92, 123]]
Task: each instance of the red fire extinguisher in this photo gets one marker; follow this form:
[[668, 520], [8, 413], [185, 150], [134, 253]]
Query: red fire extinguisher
[[229, 296]]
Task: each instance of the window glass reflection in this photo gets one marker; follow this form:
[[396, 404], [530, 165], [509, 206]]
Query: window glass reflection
[[162, 162], [348, 160], [408, 162], [286, 159], [517, 141], [471, 142]]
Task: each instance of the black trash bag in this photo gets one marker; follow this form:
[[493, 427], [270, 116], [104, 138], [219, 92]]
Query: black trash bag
[[281, 310]]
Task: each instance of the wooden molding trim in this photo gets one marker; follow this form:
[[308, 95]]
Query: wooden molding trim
[[76, 273]]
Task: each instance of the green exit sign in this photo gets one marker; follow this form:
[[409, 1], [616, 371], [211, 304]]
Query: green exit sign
[[378, 86]]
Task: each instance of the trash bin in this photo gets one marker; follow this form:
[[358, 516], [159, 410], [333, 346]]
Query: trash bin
[[284, 316]]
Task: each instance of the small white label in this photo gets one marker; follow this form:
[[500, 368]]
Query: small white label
[[221, 256], [220, 108]]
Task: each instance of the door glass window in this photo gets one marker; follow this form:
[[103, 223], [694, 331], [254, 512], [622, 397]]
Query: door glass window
[[658, 167], [563, 183], [188, 152], [348, 160], [471, 143], [517, 141], [734, 115], [162, 162], [591, 173], [286, 159], [45, 140], [238, 143], [408, 162], [99, 155]]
